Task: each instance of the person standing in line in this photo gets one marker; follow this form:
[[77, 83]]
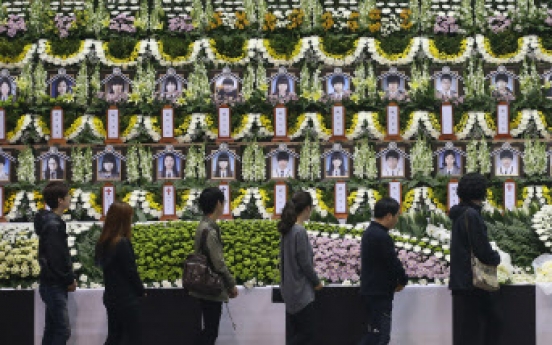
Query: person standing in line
[[475, 310], [56, 270], [211, 203], [298, 279], [382, 273], [123, 287]]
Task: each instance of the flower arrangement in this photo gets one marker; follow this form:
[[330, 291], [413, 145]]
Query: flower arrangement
[[181, 24], [542, 224], [535, 159], [364, 160], [309, 161], [421, 159], [14, 25], [64, 23], [446, 25], [123, 23], [26, 166], [254, 163]]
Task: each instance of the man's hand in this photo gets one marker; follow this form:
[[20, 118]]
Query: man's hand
[[234, 293], [72, 287], [399, 288], [318, 287]]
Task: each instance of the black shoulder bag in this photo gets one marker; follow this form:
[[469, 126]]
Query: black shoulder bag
[[197, 275]]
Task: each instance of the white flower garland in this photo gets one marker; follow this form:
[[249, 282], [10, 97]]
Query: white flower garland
[[458, 60], [27, 120], [534, 192], [36, 123], [104, 60], [249, 195], [154, 134], [538, 50], [526, 116], [330, 61], [316, 203], [13, 213], [409, 58], [25, 61], [138, 200], [82, 122], [364, 195], [303, 126], [197, 125], [154, 48], [305, 45], [422, 117], [542, 223], [250, 52], [252, 119], [473, 118], [368, 118], [81, 197], [77, 58], [522, 52], [421, 198], [93, 128]]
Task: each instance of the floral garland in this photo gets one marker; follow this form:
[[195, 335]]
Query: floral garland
[[429, 121], [247, 195], [318, 202], [364, 161], [253, 163], [540, 193], [144, 200], [418, 198], [421, 159], [133, 128], [519, 125], [102, 51], [541, 53], [97, 126], [81, 200], [76, 127], [363, 195], [156, 48], [216, 57], [22, 124], [330, 59], [194, 125], [26, 169], [263, 46], [490, 205], [21, 60], [373, 126], [535, 159], [42, 129], [469, 119], [153, 130], [247, 123], [303, 123], [13, 203], [187, 201], [484, 47], [542, 223], [45, 53], [431, 51], [404, 58]]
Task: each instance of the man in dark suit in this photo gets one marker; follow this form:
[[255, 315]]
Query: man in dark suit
[[228, 93], [382, 273]]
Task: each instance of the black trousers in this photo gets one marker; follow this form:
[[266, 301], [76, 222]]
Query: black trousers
[[301, 327], [379, 315], [211, 312], [123, 324], [476, 318]]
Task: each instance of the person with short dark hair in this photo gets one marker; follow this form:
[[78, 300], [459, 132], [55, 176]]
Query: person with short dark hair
[[4, 176], [392, 168], [446, 92], [228, 92], [506, 167], [394, 90], [56, 269], [449, 166], [502, 91], [123, 286], [109, 169], [283, 169], [211, 203], [223, 168], [298, 279], [382, 273], [339, 92], [475, 310], [170, 89], [5, 89], [117, 90], [53, 170]]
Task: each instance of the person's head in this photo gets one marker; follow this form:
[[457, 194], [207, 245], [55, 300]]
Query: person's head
[[282, 85], [56, 195], [117, 224], [506, 158], [211, 202], [117, 85], [53, 163], [501, 81], [393, 83], [446, 82], [392, 159], [171, 84], [386, 212], [283, 159], [338, 82], [298, 208], [5, 87], [472, 188], [109, 163], [62, 87], [169, 161], [337, 160], [223, 161], [227, 85], [449, 159]]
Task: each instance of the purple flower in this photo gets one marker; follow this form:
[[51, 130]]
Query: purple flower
[[181, 24], [445, 25], [122, 23], [499, 23], [13, 26], [64, 23]]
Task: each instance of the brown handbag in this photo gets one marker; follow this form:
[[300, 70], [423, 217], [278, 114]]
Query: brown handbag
[[485, 277], [197, 275]]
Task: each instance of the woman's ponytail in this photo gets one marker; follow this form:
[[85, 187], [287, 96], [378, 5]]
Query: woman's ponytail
[[298, 203]]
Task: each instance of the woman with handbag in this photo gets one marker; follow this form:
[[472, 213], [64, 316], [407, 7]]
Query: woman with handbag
[[473, 268], [123, 287], [208, 241], [298, 279]]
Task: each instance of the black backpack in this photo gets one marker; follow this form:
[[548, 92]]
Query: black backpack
[[197, 275]]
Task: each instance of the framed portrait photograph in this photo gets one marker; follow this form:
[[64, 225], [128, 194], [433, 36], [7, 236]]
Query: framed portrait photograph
[[7, 88], [169, 166], [170, 85], [108, 167], [223, 166], [338, 87], [282, 165], [227, 88], [394, 87], [336, 165], [117, 86], [547, 79], [5, 165], [282, 86], [53, 168], [449, 163], [503, 84], [61, 85], [446, 86], [392, 165], [506, 163]]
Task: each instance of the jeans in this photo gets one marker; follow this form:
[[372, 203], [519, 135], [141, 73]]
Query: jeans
[[57, 329], [477, 319], [211, 312], [301, 327], [123, 324], [379, 315]]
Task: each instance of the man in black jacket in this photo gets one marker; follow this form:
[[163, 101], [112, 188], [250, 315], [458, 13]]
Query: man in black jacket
[[475, 310], [56, 270], [382, 273]]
